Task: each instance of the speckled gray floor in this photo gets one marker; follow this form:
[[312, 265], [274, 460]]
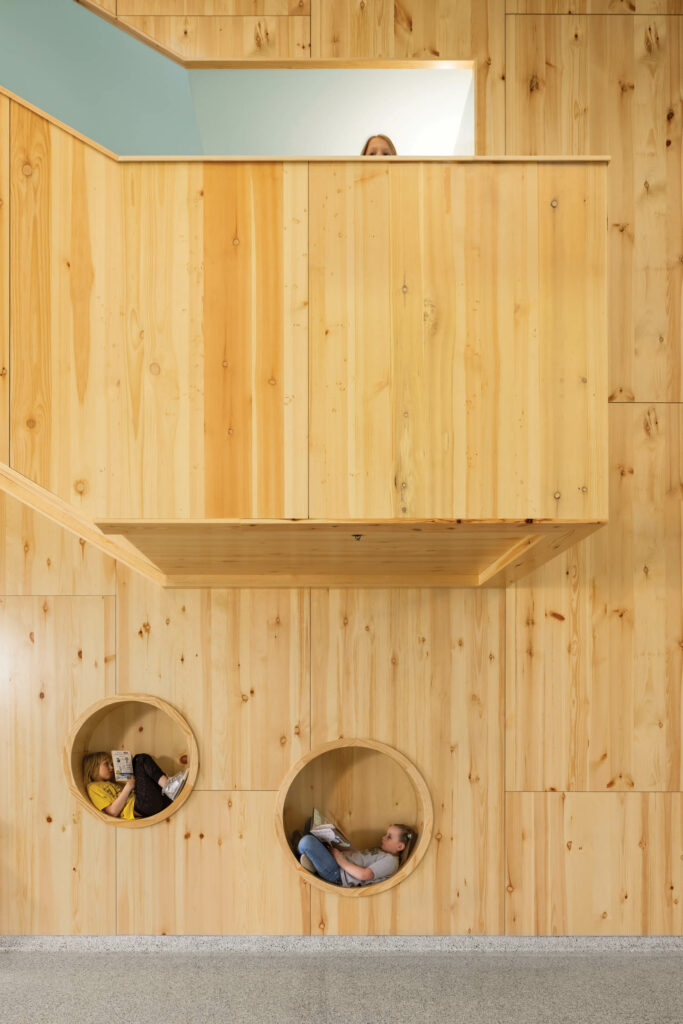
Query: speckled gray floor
[[342, 987]]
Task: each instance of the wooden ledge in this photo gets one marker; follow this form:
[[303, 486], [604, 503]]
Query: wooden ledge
[[359, 553]]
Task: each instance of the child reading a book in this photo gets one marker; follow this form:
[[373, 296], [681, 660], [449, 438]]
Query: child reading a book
[[357, 867], [147, 793]]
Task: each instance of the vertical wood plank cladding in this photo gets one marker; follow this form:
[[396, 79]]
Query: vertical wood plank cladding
[[595, 7], [37, 557], [255, 336], [595, 658], [30, 295], [156, 374], [4, 276], [211, 8], [426, 30], [422, 671], [216, 38], [613, 85], [593, 864], [57, 659], [434, 369], [222, 844], [235, 664]]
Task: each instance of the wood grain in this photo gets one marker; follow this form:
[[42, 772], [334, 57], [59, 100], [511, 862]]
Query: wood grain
[[613, 85], [212, 8], [435, 370], [594, 644], [110, 298], [289, 553], [594, 864], [4, 277], [427, 29], [57, 657], [217, 39], [421, 671], [39, 557], [595, 7], [255, 339], [235, 664], [242, 882]]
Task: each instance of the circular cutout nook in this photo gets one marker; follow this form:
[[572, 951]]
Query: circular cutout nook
[[365, 786], [139, 723]]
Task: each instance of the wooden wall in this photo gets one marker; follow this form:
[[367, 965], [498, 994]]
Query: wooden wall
[[546, 722]]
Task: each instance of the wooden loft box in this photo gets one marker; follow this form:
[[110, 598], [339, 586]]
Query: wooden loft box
[[456, 424], [264, 359]]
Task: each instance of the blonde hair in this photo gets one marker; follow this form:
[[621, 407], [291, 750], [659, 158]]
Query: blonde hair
[[392, 147], [408, 835], [91, 766]]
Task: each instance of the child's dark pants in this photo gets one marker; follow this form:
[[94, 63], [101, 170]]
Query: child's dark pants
[[149, 799]]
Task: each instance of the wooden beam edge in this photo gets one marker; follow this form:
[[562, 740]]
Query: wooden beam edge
[[68, 518]]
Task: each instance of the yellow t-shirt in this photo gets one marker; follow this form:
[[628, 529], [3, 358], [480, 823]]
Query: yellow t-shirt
[[104, 793]]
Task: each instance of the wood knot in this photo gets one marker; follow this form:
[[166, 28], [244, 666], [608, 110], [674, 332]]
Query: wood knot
[[283, 741], [154, 369], [31, 423], [48, 820], [3, 371], [534, 84], [80, 486], [554, 203], [27, 170], [41, 695], [183, 758]]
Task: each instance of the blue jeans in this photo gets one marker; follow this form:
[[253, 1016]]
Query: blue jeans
[[321, 859]]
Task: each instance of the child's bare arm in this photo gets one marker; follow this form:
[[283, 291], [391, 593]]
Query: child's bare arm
[[115, 808], [362, 874]]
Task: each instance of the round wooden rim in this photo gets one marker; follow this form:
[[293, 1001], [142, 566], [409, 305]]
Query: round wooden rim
[[132, 698], [425, 808]]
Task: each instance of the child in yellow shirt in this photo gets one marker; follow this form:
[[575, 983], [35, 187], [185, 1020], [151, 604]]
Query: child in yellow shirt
[[147, 793]]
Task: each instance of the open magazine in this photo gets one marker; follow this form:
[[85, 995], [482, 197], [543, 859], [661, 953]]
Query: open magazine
[[123, 765], [324, 828]]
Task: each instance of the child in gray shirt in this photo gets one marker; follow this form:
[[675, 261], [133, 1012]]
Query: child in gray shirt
[[356, 867]]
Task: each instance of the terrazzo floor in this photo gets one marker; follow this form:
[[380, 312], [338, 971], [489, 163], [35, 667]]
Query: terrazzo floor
[[344, 987]]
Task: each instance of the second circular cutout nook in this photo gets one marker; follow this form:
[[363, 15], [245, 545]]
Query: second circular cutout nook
[[366, 786]]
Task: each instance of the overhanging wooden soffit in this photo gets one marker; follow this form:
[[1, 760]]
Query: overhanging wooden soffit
[[361, 553]]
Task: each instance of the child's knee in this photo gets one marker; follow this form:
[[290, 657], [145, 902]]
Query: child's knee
[[305, 843]]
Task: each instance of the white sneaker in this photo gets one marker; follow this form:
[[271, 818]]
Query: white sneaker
[[307, 863], [174, 785]]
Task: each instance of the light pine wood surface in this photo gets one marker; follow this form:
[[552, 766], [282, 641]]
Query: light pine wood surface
[[234, 663], [462, 374], [613, 85], [594, 864], [594, 6], [223, 39], [214, 868], [58, 657], [112, 311], [595, 657], [212, 8], [422, 671], [37, 556]]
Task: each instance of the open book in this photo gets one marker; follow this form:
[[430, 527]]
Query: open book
[[327, 831], [123, 765]]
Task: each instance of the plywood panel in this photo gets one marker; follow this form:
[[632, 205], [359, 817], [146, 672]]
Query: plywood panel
[[595, 659], [209, 8], [613, 85], [309, 553], [37, 557], [109, 299], [422, 671], [213, 868], [232, 38], [255, 338], [440, 341], [57, 658], [594, 7], [234, 663], [594, 864], [4, 278], [428, 30]]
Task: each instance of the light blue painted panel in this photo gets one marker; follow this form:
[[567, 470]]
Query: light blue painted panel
[[80, 69]]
